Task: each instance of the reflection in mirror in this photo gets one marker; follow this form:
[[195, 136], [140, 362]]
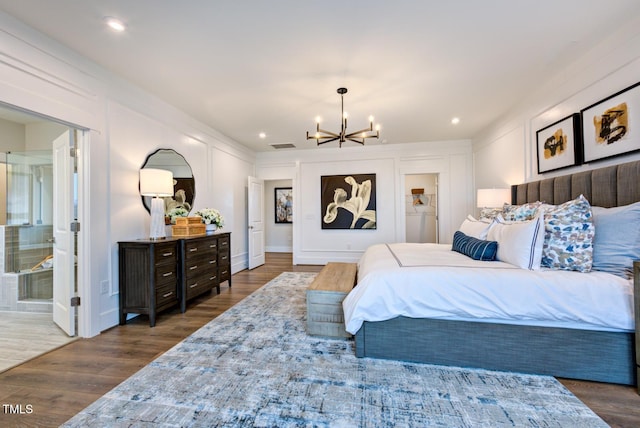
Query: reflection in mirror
[[184, 185]]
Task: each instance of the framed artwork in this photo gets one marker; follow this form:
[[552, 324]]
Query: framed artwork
[[283, 204], [558, 144], [611, 126], [348, 201]]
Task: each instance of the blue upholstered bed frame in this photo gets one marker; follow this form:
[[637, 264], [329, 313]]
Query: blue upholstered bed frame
[[568, 353]]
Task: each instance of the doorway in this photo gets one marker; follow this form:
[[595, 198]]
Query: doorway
[[29, 237], [421, 208], [278, 204]]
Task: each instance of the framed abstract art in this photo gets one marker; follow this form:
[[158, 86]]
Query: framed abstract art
[[283, 204], [558, 144], [611, 127]]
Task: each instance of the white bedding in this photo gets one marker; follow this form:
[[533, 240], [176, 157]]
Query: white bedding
[[431, 281]]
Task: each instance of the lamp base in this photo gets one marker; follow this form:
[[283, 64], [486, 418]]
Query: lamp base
[[157, 230]]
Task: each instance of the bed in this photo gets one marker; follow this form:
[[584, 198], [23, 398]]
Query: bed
[[596, 345]]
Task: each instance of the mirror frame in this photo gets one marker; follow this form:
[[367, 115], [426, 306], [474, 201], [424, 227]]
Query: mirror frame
[[187, 184]]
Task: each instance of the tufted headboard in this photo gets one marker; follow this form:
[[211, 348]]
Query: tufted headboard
[[607, 187]]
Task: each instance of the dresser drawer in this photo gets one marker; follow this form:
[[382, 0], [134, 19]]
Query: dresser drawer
[[166, 295], [223, 259], [198, 247], [224, 244], [200, 284], [166, 253], [166, 274], [198, 266], [224, 272]]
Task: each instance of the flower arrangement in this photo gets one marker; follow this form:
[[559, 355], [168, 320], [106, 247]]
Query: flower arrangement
[[176, 212], [211, 216]]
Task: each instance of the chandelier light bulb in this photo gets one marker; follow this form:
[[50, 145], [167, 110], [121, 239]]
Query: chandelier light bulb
[[318, 119], [370, 119], [115, 24], [345, 115]]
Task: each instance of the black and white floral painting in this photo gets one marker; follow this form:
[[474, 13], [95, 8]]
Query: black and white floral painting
[[348, 201]]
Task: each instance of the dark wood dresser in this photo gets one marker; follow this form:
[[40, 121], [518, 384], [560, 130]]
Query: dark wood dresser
[[158, 275]]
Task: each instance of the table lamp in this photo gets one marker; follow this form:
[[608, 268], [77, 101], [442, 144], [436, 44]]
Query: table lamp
[[493, 198], [156, 183]]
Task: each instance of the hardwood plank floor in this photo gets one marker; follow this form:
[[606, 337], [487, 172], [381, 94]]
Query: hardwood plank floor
[[50, 389]]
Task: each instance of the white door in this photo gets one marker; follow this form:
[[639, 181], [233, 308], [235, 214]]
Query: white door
[[63, 247], [255, 206]]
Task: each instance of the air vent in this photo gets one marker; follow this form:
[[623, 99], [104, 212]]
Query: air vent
[[283, 146]]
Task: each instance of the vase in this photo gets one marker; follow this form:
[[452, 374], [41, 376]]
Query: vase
[[211, 227]]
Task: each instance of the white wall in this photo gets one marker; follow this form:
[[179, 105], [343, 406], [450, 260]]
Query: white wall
[[12, 136], [124, 124], [505, 154], [278, 237], [313, 245]]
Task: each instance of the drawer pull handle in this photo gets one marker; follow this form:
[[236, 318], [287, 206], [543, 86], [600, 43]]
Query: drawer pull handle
[[166, 274], [193, 267], [212, 246], [167, 254], [212, 278], [212, 262], [168, 294], [193, 285], [193, 249], [224, 272]]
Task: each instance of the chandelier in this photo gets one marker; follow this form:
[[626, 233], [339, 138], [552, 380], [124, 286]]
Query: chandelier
[[322, 136]]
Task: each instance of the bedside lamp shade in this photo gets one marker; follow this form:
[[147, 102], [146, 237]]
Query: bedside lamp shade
[[493, 198], [156, 183]]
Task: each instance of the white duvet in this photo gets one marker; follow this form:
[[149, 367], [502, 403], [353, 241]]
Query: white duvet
[[431, 281]]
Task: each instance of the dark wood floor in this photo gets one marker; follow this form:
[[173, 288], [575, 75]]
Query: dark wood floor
[[50, 389]]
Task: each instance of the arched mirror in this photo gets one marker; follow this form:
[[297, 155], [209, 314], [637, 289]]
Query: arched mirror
[[184, 185]]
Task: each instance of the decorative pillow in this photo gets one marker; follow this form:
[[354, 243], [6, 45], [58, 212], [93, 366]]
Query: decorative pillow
[[522, 212], [616, 243], [568, 240], [489, 213], [519, 243], [475, 228], [477, 249]]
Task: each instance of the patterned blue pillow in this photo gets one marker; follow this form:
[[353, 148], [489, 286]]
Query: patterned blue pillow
[[475, 248], [569, 232]]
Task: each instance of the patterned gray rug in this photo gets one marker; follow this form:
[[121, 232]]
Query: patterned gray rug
[[254, 366]]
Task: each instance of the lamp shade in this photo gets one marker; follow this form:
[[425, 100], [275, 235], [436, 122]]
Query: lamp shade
[[493, 198], [156, 182]]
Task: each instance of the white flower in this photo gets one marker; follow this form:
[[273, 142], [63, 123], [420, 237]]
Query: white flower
[[211, 216], [177, 212]]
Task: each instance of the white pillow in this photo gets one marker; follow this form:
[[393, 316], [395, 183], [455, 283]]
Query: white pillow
[[519, 243], [475, 228]]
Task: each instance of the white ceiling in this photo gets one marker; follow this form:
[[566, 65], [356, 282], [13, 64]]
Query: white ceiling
[[250, 66]]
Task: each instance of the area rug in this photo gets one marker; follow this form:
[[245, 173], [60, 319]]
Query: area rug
[[255, 366]]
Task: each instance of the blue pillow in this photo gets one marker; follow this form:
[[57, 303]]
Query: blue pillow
[[616, 243], [475, 248]]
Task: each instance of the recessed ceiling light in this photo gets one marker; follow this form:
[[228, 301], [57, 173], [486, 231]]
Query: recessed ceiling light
[[455, 121], [115, 24], [262, 135]]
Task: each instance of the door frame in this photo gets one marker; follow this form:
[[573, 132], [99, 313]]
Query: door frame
[[401, 228]]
